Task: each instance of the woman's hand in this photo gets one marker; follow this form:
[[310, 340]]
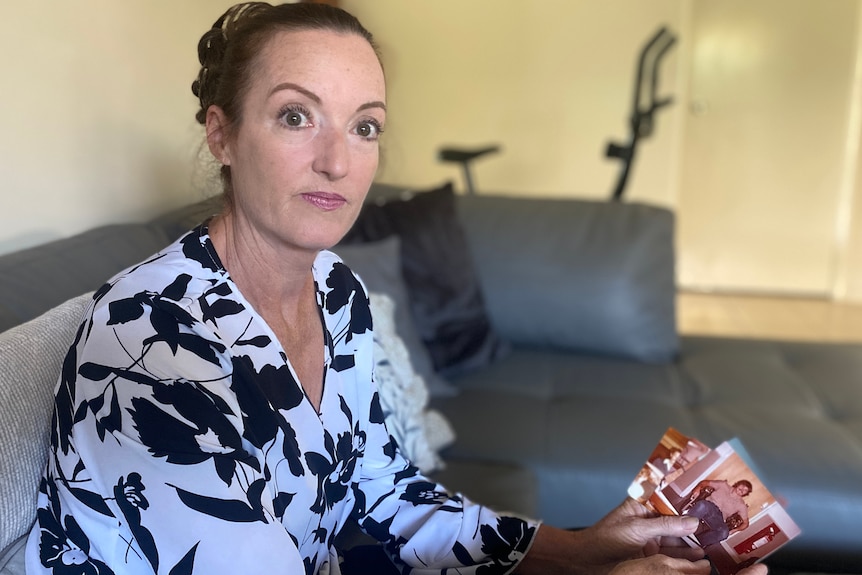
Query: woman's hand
[[629, 540], [662, 565], [632, 531], [660, 539]]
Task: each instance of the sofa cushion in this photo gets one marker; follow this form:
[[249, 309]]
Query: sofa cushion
[[584, 424], [12, 558], [445, 295], [30, 362], [587, 276], [378, 264], [420, 432], [504, 487]]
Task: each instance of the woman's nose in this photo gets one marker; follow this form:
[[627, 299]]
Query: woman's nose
[[332, 154]]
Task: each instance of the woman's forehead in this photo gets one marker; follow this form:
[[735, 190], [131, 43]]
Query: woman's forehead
[[321, 58]]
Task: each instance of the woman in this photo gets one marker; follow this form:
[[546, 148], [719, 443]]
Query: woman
[[216, 412]]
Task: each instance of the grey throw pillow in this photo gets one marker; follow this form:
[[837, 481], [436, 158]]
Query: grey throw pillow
[[12, 558], [378, 264], [444, 292], [30, 363]]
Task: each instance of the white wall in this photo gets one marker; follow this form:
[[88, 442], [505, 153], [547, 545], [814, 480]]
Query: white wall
[[97, 114], [550, 80], [764, 161]]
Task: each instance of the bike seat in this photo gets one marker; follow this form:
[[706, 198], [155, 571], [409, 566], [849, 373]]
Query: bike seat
[[465, 155]]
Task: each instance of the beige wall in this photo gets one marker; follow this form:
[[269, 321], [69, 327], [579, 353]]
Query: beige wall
[[98, 124], [848, 283], [97, 115], [550, 80]]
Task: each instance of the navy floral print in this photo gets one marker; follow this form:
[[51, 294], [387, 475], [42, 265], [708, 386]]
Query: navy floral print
[[182, 441]]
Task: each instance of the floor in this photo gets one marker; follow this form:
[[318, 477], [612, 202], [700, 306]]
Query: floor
[[768, 317]]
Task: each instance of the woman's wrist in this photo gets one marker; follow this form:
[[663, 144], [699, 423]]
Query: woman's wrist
[[555, 550]]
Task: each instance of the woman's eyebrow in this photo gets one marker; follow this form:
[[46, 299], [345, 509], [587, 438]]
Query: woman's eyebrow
[[316, 99], [375, 104], [297, 88]]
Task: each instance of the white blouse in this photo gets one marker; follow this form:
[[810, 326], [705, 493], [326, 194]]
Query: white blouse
[[183, 443]]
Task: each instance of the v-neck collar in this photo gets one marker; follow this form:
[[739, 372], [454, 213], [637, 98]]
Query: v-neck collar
[[230, 336]]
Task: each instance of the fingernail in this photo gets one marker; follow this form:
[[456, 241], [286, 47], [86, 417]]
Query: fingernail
[[691, 523]]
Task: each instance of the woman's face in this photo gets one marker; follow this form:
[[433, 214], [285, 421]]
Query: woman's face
[[305, 150]]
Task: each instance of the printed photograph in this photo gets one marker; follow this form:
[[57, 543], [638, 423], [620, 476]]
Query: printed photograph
[[740, 520], [672, 456]]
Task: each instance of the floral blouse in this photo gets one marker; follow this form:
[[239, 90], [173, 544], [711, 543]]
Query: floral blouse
[[183, 443]]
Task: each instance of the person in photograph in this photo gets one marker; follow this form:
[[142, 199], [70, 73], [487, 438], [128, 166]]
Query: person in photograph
[[692, 451], [720, 507], [668, 463], [217, 412]]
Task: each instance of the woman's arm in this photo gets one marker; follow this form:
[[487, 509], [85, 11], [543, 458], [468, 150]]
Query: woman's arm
[[426, 527]]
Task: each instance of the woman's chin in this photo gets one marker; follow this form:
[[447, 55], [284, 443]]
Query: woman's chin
[[320, 241]]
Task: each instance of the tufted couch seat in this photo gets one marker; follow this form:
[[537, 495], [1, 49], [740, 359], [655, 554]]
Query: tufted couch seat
[[584, 425]]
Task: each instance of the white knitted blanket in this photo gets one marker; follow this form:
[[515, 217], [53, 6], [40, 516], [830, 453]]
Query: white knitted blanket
[[420, 432]]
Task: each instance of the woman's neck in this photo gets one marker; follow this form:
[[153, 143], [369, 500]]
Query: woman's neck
[[279, 285], [273, 278]]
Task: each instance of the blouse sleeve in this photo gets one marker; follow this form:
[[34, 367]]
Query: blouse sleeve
[[148, 471], [421, 524]]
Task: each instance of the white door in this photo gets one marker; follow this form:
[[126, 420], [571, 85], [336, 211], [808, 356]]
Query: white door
[[764, 144]]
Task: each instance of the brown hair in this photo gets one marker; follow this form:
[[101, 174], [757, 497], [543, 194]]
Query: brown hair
[[228, 50], [744, 483]]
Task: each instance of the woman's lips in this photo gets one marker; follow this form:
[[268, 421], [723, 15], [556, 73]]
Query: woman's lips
[[324, 200]]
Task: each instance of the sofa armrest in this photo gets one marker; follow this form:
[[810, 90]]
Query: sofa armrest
[[590, 276]]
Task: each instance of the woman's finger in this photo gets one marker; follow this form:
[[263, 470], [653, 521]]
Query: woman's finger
[[673, 542], [684, 552]]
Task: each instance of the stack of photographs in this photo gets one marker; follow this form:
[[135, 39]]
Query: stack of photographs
[[741, 522]]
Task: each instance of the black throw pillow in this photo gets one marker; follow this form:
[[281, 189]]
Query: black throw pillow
[[443, 288]]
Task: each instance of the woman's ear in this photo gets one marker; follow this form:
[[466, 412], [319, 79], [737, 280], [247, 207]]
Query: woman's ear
[[217, 136]]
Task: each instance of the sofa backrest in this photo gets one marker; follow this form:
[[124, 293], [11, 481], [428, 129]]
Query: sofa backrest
[[592, 276], [37, 279], [31, 356]]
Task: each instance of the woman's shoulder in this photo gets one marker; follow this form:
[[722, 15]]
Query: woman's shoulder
[[182, 270], [342, 289], [325, 260], [331, 271]]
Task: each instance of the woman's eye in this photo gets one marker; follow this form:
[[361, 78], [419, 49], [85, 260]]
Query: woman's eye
[[370, 130], [295, 118]]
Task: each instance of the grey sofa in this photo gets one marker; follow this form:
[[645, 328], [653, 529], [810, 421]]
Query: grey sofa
[[586, 374]]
